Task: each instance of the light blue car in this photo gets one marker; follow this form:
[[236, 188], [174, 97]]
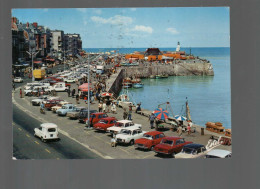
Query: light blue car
[[65, 109]]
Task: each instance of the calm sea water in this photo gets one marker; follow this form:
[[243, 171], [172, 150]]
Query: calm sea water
[[209, 96]]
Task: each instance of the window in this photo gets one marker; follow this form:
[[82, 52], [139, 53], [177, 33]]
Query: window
[[131, 124], [40, 128], [161, 135], [181, 141], [177, 142], [134, 132], [51, 130], [157, 136], [127, 125]]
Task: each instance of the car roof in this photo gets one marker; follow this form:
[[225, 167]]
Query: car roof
[[154, 133], [49, 125], [194, 146], [219, 153], [124, 121]]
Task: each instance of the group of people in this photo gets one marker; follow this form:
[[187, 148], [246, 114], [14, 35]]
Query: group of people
[[107, 106]]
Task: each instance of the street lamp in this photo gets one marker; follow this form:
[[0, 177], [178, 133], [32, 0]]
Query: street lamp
[[84, 60], [32, 53]]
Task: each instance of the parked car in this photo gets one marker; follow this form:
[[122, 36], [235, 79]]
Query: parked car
[[129, 135], [18, 80], [58, 106], [60, 86], [105, 123], [149, 140], [83, 114], [75, 114], [70, 80], [50, 103], [170, 145], [218, 153], [192, 151], [95, 117], [39, 100], [121, 125], [47, 131], [65, 109]]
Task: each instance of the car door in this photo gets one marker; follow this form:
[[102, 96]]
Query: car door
[[135, 134], [39, 132]]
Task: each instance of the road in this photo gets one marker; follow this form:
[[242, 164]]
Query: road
[[26, 146]]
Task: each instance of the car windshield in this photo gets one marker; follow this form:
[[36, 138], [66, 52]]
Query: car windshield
[[125, 132], [189, 150], [148, 137], [211, 156], [168, 142], [118, 124], [103, 121], [64, 107]]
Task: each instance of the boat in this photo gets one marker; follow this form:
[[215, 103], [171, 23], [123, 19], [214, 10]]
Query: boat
[[127, 85], [158, 76], [152, 76], [138, 85], [164, 76]]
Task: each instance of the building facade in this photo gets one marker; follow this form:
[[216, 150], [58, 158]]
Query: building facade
[[72, 44]]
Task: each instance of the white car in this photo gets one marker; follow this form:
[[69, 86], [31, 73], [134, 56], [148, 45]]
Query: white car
[[70, 80], [47, 131], [18, 80], [192, 151], [121, 125], [129, 135], [61, 86], [39, 100], [218, 153]]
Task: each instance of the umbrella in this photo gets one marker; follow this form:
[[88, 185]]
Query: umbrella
[[85, 89], [180, 118], [161, 113], [106, 94]]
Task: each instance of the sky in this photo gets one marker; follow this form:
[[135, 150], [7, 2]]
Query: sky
[[137, 27]]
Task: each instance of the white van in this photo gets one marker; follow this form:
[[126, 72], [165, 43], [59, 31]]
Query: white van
[[47, 131], [61, 86]]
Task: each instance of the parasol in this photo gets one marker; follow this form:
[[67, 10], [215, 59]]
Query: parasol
[[161, 114]]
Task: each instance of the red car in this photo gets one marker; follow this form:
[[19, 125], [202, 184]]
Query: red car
[[170, 145], [104, 123], [149, 140], [95, 117], [50, 103]]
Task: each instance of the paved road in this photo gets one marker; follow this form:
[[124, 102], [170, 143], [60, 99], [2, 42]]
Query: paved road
[[26, 146]]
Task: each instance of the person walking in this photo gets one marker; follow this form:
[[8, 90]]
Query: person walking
[[73, 93], [130, 112], [113, 108], [100, 106], [113, 141], [189, 129], [68, 91], [21, 93], [151, 119], [77, 99], [124, 114], [179, 130], [104, 107], [13, 86]]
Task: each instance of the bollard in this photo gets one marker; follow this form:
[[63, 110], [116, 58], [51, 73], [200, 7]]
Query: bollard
[[202, 131]]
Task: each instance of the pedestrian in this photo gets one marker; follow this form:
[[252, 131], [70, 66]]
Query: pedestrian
[[73, 93], [68, 91], [130, 112], [21, 93], [100, 106], [138, 109], [113, 141], [77, 99], [86, 99], [92, 99], [179, 130], [13, 86], [124, 114], [108, 105], [151, 119], [188, 129], [113, 108], [104, 107]]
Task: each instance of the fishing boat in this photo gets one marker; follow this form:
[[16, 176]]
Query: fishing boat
[[127, 83], [138, 85], [158, 76], [152, 76]]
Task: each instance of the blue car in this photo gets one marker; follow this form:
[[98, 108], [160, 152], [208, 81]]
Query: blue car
[[65, 109]]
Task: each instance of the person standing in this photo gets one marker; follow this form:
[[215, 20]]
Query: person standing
[[113, 108], [124, 114], [77, 99], [189, 129], [104, 107], [151, 119], [179, 130], [130, 112], [73, 93], [68, 92]]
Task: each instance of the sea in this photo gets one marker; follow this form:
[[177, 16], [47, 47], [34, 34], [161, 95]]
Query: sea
[[209, 97]]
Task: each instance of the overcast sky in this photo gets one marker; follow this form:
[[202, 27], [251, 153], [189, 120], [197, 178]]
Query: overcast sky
[[137, 27]]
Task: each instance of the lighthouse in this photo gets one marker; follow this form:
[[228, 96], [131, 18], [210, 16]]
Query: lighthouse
[[178, 48]]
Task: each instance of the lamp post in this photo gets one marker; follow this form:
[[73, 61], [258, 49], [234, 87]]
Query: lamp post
[[32, 53], [84, 60]]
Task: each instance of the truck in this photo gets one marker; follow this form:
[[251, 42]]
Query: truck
[[100, 70], [39, 74]]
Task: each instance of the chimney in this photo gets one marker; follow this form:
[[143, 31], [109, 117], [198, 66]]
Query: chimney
[[35, 24]]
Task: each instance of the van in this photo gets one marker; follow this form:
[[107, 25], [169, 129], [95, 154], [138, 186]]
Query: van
[[60, 86], [47, 131]]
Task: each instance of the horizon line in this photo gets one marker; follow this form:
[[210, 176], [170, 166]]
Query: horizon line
[[143, 47]]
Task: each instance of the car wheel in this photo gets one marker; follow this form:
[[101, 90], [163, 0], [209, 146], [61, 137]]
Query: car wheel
[[132, 142], [43, 140], [173, 154], [34, 135]]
